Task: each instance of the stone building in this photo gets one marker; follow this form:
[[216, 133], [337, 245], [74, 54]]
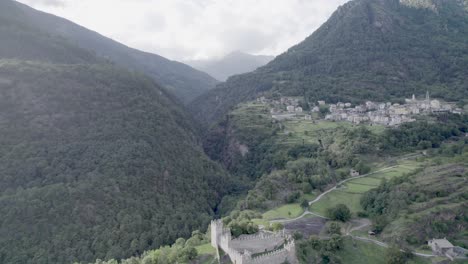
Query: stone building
[[441, 247], [261, 248]]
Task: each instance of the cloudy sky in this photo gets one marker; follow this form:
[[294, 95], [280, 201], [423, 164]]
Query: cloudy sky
[[197, 29]]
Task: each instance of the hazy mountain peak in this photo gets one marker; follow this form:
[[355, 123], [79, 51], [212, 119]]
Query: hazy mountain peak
[[236, 62]]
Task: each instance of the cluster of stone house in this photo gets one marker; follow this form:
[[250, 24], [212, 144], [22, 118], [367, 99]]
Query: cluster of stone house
[[261, 248], [284, 108], [389, 114], [386, 114]]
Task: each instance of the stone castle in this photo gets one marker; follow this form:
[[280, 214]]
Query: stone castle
[[262, 248]]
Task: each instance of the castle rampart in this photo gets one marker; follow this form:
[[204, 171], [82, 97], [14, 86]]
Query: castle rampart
[[268, 248]]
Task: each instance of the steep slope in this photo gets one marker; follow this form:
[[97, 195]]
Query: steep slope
[[369, 49], [430, 203], [182, 80], [93, 158], [231, 64]]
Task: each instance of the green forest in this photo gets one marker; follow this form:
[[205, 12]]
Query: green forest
[[93, 161]]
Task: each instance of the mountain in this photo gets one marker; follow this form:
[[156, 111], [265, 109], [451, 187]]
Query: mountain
[[182, 80], [93, 158], [378, 50], [231, 64]]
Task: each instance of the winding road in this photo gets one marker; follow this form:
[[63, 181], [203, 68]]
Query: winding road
[[347, 180], [318, 198], [363, 223]]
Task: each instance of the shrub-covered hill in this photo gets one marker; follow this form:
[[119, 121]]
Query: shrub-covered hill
[[369, 49], [95, 162], [430, 203], [182, 80]]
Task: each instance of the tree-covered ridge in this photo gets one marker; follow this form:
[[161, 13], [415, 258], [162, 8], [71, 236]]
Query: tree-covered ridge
[[93, 162], [429, 203], [420, 4], [378, 50], [182, 80], [24, 41]]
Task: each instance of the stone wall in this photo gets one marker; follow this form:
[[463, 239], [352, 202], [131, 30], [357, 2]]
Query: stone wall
[[240, 250], [258, 243]]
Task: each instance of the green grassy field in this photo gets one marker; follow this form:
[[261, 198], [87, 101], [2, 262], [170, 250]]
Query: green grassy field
[[205, 249], [350, 193], [359, 252], [285, 211]]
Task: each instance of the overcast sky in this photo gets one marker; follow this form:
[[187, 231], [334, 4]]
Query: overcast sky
[[197, 29]]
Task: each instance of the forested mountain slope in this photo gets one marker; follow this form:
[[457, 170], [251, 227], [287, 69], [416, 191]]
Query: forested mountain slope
[[182, 80], [369, 49], [93, 158]]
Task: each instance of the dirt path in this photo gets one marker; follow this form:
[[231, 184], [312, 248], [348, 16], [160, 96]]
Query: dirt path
[[307, 212], [357, 224], [347, 180], [385, 245], [363, 223]]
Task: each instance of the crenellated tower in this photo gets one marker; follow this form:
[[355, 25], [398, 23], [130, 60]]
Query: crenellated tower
[[216, 232]]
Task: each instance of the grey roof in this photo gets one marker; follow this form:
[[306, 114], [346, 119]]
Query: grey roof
[[442, 243]]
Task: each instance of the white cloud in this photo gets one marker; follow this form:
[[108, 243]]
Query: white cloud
[[194, 29]]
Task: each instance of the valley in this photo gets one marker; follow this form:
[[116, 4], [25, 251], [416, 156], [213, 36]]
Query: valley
[[269, 207], [328, 153]]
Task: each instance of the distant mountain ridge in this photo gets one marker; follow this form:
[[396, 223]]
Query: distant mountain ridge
[[182, 80], [368, 50], [232, 64]]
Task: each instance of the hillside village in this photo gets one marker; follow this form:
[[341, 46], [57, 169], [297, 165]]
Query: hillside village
[[376, 113]]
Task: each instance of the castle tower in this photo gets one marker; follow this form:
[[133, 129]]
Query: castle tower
[[414, 98], [428, 98], [216, 231]]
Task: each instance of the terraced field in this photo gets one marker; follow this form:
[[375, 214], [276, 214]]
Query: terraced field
[[350, 193], [299, 131]]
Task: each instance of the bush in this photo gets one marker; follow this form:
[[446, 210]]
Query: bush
[[334, 228], [304, 203], [276, 227], [395, 256], [340, 213], [292, 198], [298, 235], [362, 214]]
